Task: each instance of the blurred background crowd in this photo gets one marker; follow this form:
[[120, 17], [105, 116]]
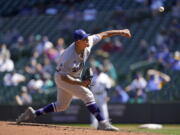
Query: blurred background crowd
[[143, 69]]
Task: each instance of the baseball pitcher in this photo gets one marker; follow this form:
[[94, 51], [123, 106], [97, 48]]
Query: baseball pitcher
[[67, 78]]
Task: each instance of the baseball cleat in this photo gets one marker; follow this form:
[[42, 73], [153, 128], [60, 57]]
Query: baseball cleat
[[107, 126], [28, 115]]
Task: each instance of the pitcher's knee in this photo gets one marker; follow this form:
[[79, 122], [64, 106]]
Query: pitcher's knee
[[61, 107]]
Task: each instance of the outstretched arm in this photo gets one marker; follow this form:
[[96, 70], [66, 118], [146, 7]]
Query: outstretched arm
[[162, 75], [106, 34]]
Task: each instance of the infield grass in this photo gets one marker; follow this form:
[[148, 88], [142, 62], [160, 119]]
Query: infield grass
[[170, 129]]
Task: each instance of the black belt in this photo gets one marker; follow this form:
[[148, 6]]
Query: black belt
[[70, 75]]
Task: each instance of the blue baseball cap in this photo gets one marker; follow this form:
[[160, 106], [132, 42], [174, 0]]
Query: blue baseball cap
[[80, 34]]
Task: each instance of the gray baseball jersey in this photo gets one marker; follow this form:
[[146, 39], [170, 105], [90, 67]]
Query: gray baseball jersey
[[72, 63]]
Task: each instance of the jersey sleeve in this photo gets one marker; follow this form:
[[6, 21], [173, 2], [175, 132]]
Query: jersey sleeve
[[93, 39]]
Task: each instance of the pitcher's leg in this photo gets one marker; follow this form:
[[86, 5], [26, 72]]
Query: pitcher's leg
[[63, 100], [88, 98], [86, 95], [64, 97], [46, 109]]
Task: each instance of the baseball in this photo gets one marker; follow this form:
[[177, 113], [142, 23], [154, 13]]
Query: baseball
[[161, 9]]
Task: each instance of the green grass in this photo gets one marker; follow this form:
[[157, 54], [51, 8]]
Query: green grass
[[166, 130]]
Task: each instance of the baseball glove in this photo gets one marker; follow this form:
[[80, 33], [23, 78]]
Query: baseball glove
[[88, 74]]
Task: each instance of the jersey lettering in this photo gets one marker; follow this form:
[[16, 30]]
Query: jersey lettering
[[77, 66]]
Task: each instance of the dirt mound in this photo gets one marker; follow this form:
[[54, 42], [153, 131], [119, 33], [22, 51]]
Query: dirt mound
[[10, 128]]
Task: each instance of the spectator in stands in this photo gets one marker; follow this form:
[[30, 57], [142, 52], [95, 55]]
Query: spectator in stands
[[39, 48], [163, 55], [110, 69], [94, 62], [113, 46], [36, 84], [156, 80], [35, 56], [90, 13], [39, 68], [6, 64], [13, 79], [108, 46], [120, 95], [44, 45], [175, 62], [102, 53], [37, 41], [31, 69], [7, 79], [136, 89], [52, 54], [118, 45], [48, 83], [47, 66], [151, 53], [24, 98], [4, 51], [60, 45], [20, 44]]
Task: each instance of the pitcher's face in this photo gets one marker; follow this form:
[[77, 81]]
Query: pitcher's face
[[83, 43]]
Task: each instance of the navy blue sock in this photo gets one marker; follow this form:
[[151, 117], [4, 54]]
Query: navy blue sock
[[94, 109], [47, 109]]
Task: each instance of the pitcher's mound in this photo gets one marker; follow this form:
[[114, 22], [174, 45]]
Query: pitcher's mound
[[10, 128]]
